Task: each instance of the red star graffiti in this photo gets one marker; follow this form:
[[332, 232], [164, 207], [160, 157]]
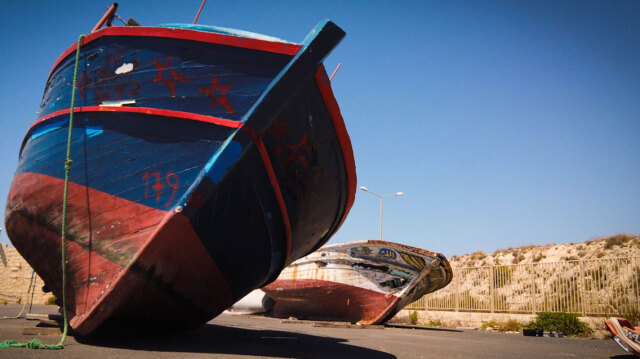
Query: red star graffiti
[[100, 96], [278, 130], [170, 82], [135, 90], [217, 94], [195, 199], [299, 151], [119, 89], [82, 85]]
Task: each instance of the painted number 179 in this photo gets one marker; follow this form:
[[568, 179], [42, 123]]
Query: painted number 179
[[171, 179]]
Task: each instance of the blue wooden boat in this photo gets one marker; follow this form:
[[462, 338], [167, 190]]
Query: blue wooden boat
[[204, 161]]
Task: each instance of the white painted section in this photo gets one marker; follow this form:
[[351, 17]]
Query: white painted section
[[118, 103], [255, 302], [124, 68], [360, 264]]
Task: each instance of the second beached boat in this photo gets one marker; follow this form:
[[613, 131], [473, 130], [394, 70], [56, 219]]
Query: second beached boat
[[366, 282]]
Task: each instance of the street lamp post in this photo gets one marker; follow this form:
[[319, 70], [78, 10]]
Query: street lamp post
[[381, 198]]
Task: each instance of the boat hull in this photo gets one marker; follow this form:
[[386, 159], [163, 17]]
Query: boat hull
[[366, 282], [625, 334], [174, 215]]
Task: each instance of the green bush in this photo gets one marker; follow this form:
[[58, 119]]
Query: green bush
[[51, 300], [492, 324], [631, 313], [561, 322], [435, 323], [413, 317], [511, 325]]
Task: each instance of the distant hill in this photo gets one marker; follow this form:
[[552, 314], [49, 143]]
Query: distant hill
[[619, 245]]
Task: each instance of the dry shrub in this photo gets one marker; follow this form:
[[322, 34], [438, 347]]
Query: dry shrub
[[413, 317], [510, 325], [617, 240], [518, 257]]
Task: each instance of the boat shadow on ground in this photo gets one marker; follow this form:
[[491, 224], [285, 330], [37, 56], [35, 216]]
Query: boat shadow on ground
[[405, 326], [219, 339]]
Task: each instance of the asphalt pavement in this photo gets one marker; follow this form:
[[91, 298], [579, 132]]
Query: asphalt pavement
[[263, 337]]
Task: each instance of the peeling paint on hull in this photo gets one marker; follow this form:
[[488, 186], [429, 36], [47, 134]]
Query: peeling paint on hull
[[190, 184], [366, 282], [327, 300]]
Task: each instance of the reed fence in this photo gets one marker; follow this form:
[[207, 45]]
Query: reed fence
[[595, 287]]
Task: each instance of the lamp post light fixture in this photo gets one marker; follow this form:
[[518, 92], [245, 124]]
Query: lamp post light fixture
[[381, 198]]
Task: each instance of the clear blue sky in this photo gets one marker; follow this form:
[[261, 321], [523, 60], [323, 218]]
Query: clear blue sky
[[504, 123]]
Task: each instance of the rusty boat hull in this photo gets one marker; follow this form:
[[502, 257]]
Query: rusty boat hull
[[204, 161], [365, 282]]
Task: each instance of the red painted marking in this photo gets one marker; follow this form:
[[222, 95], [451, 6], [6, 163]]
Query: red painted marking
[[278, 129], [82, 85], [217, 94], [135, 90], [110, 61], [158, 186], [174, 186], [172, 180], [195, 198], [184, 34], [275, 185], [343, 137], [119, 235], [331, 301], [147, 111], [299, 151], [146, 188], [170, 82]]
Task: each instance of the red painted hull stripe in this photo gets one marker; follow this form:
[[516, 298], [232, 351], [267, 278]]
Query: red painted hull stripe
[[185, 34], [276, 186], [214, 120], [343, 137], [147, 111], [329, 296]]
